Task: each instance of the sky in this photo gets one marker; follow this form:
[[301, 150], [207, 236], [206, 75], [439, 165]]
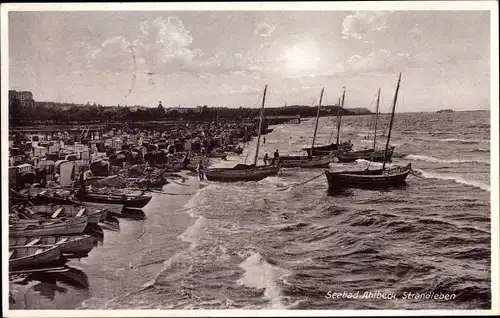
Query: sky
[[225, 58]]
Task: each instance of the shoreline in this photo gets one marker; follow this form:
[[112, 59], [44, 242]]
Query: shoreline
[[124, 262]]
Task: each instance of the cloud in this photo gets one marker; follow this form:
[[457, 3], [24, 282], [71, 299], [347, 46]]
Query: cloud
[[79, 56], [329, 71], [360, 24], [415, 33], [263, 29], [386, 61], [114, 55], [245, 90], [162, 46]]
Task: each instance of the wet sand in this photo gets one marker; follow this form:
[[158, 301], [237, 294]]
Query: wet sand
[[125, 260]]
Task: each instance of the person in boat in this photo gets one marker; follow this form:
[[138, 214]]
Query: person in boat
[[201, 170], [266, 159]]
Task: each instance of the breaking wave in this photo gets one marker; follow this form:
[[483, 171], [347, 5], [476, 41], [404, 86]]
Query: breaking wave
[[438, 160], [458, 179]]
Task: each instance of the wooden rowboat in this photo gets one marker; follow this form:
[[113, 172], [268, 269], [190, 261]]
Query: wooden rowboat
[[128, 201], [93, 214], [47, 227], [218, 154], [107, 207], [32, 256], [74, 245], [241, 173]]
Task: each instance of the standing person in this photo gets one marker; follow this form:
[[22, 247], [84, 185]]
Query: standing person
[[276, 155], [82, 181], [266, 159], [43, 177], [264, 139], [186, 160], [201, 170]]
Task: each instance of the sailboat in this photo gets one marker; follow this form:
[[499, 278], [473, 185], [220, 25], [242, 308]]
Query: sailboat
[[380, 178], [309, 161], [327, 149], [243, 172], [367, 154]]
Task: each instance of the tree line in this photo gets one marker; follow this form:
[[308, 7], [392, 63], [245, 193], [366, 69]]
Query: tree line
[[64, 113]]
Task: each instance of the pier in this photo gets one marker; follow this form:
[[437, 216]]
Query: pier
[[277, 120]]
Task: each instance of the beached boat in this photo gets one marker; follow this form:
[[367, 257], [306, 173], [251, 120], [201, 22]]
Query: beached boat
[[240, 173], [74, 245], [93, 214], [128, 201], [379, 178], [236, 149], [218, 154], [32, 256], [39, 198], [243, 172], [54, 227], [109, 208]]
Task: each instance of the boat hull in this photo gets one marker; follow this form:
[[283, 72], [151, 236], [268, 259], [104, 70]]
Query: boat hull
[[246, 174], [327, 149], [25, 257], [370, 179], [49, 227], [305, 161], [126, 201], [106, 207], [93, 214], [72, 245], [370, 155]]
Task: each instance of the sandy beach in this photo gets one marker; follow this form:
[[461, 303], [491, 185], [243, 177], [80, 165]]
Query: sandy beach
[[122, 263]]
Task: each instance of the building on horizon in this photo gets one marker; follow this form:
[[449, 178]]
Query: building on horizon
[[25, 98]]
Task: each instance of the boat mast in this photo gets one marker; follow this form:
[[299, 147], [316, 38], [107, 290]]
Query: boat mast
[[317, 120], [340, 118], [392, 120], [260, 126], [376, 119]]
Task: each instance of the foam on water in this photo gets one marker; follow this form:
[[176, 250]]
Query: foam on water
[[458, 179], [282, 242], [192, 233], [438, 160], [261, 275], [460, 141]]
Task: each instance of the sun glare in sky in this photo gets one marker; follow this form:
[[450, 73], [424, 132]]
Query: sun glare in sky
[[301, 57]]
